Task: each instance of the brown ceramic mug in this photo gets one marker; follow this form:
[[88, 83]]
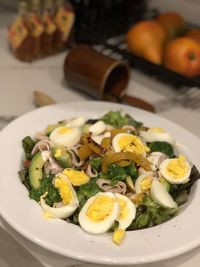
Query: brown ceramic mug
[[100, 76]]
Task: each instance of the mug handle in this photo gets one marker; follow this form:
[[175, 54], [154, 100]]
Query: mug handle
[[138, 102], [132, 101]]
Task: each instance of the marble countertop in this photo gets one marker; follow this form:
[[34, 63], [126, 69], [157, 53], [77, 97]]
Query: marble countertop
[[19, 80]]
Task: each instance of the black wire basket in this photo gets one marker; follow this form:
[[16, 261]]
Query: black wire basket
[[97, 21]]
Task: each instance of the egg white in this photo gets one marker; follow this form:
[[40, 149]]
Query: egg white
[[103, 226], [67, 139], [150, 136], [160, 195], [63, 211], [154, 158], [97, 128], [77, 122], [139, 180], [170, 179], [126, 221]]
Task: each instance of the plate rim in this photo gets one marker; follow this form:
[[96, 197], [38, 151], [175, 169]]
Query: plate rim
[[85, 258]]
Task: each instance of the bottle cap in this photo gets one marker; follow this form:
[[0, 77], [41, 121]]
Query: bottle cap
[[22, 8], [35, 6]]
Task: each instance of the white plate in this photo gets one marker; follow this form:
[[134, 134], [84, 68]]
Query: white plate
[[172, 238]]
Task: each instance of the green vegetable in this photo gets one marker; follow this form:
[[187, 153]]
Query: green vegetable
[[23, 175], [150, 213], [182, 197], [46, 186], [90, 189], [81, 198], [36, 170], [177, 189], [116, 173], [64, 158], [117, 120], [133, 122], [131, 170], [162, 147], [85, 128], [28, 145], [95, 163]]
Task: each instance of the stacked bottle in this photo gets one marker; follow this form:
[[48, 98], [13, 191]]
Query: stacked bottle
[[38, 31]]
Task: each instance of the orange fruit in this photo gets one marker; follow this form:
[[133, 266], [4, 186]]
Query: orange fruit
[[173, 24], [194, 34], [182, 55], [146, 39]]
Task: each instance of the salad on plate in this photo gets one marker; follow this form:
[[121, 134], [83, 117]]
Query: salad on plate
[[110, 174]]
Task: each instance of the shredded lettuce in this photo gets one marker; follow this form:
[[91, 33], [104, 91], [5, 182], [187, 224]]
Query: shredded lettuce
[[150, 214], [117, 120]]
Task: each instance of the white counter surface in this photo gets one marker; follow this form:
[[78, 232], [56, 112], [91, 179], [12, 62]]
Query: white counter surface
[[17, 83]]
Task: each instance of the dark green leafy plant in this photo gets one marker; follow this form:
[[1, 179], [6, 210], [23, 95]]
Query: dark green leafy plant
[[150, 214], [162, 147]]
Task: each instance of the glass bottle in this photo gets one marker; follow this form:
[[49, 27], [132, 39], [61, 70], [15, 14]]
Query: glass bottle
[[36, 28], [47, 37], [64, 19], [19, 36]]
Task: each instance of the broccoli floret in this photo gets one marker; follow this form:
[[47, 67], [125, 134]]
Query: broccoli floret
[[90, 189], [46, 186], [116, 173], [117, 120], [131, 170], [95, 163], [163, 147]]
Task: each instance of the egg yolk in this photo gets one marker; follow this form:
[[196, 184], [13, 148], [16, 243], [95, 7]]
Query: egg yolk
[[177, 168], [101, 208], [77, 178], [64, 130], [58, 153], [146, 183], [156, 130], [118, 235], [138, 198], [132, 143], [123, 209], [64, 190]]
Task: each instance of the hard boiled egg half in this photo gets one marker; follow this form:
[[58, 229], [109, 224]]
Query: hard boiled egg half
[[129, 142], [65, 136], [99, 213], [157, 135], [175, 171], [126, 215], [143, 182], [160, 195], [69, 199]]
